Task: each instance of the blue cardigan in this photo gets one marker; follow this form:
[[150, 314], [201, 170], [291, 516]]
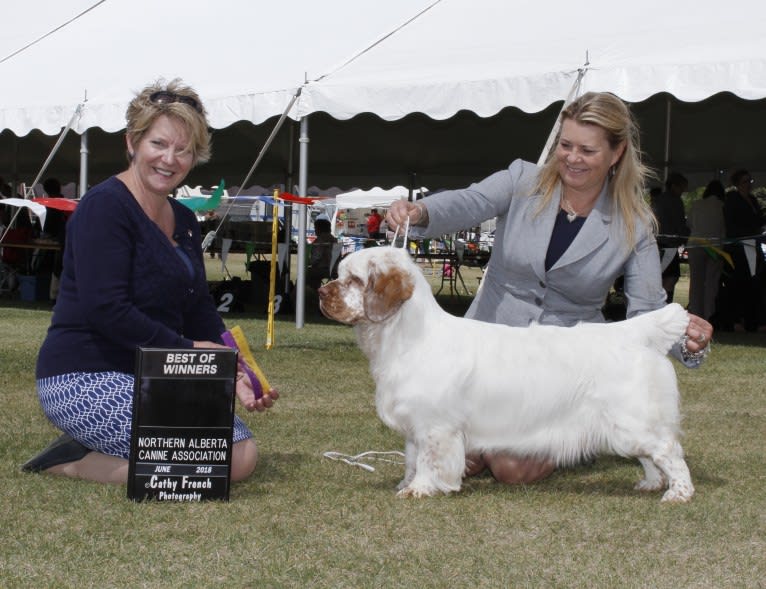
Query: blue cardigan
[[123, 286]]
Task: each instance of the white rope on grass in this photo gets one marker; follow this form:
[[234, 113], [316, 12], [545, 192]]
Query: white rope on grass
[[369, 455]]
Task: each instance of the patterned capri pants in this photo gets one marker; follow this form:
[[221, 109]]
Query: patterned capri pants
[[95, 408]]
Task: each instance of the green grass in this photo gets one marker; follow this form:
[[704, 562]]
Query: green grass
[[305, 521]]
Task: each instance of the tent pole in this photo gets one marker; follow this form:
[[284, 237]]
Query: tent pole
[[77, 114], [83, 163], [668, 105], [15, 175], [300, 289]]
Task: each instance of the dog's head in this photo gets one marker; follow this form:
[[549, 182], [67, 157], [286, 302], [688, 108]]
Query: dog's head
[[372, 285]]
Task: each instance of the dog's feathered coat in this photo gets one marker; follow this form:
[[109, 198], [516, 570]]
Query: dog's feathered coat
[[453, 386]]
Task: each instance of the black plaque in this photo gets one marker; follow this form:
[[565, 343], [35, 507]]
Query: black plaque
[[183, 422]]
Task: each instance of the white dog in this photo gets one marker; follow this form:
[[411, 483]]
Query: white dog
[[453, 386]]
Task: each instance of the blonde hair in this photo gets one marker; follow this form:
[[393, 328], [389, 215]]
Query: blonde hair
[[627, 177], [142, 112]]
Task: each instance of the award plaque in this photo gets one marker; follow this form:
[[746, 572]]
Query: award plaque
[[183, 422]]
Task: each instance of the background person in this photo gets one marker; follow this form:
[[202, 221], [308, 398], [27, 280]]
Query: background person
[[373, 224], [706, 222], [564, 233], [321, 253], [133, 276], [668, 209], [744, 218]]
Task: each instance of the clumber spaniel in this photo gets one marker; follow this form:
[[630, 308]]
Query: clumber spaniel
[[453, 386]]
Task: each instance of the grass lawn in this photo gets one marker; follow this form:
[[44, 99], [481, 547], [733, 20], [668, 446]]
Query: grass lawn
[[305, 521]]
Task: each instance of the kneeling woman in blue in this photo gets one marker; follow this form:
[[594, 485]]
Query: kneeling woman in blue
[[133, 276]]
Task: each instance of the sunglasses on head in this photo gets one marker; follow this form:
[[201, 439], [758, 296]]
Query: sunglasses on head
[[165, 97]]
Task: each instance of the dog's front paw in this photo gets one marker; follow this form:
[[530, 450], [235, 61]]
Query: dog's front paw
[[416, 492], [680, 493]]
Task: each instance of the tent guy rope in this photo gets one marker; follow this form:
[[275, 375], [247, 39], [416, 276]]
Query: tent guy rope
[[574, 92], [49, 33], [29, 192], [208, 240]]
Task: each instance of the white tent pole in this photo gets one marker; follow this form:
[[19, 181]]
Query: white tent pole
[[300, 289], [334, 220], [83, 163], [77, 114]]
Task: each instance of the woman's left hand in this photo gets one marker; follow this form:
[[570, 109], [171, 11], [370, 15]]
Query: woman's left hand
[[700, 332], [246, 395]]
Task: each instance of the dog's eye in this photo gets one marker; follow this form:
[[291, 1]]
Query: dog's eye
[[356, 280]]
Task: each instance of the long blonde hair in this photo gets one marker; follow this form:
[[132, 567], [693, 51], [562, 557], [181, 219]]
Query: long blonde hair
[[627, 177]]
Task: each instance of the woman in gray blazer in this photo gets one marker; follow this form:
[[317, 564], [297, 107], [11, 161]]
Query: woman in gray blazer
[[565, 232]]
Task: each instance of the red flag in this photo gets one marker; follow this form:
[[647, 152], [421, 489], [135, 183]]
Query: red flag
[[62, 204], [304, 200]]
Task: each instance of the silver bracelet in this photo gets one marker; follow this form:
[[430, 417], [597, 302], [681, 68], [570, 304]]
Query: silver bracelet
[[696, 356]]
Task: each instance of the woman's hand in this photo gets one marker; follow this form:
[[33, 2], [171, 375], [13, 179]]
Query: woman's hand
[[699, 332], [243, 386], [203, 344], [246, 395], [400, 210]]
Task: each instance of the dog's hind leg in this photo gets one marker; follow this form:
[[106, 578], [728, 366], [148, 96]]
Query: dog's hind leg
[[669, 458], [653, 479], [439, 465]]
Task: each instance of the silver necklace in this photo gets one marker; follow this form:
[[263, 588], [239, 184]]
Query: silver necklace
[[568, 209]]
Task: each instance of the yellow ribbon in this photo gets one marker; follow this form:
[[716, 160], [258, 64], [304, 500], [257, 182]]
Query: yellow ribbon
[[273, 274], [712, 250]]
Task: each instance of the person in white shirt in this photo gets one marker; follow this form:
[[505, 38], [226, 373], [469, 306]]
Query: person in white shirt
[[706, 222]]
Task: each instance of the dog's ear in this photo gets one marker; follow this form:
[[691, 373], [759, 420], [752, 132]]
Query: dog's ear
[[386, 291]]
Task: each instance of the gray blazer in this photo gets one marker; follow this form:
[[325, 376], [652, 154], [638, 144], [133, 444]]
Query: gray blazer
[[516, 289]]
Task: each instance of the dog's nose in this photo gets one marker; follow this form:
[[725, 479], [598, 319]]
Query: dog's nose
[[322, 291]]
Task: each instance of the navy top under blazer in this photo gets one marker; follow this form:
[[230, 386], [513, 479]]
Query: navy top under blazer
[[517, 289], [124, 285]]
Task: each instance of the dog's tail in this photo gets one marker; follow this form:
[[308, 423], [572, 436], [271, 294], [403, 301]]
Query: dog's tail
[[660, 329]]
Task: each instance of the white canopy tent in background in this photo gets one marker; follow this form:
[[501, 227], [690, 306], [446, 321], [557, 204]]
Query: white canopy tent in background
[[401, 76], [376, 197]]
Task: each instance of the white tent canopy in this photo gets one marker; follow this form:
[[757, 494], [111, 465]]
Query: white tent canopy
[[246, 58], [483, 55], [438, 57], [373, 198], [455, 61]]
